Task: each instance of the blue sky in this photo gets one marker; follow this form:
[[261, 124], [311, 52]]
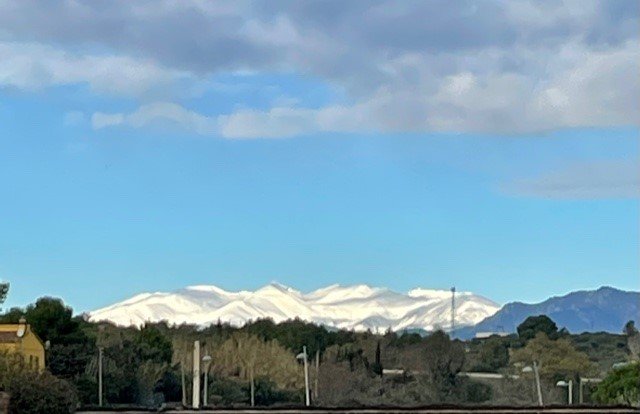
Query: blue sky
[[309, 144]]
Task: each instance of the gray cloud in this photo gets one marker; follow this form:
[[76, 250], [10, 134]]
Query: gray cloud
[[464, 66], [35, 66], [593, 180]]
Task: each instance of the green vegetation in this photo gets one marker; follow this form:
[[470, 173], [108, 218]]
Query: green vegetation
[[535, 324], [32, 392], [555, 358], [621, 386], [257, 363], [603, 349], [4, 291], [489, 355]]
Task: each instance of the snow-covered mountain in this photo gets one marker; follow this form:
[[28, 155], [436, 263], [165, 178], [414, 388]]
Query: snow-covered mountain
[[358, 307]]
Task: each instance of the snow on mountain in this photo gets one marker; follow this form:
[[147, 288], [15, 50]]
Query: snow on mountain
[[358, 307]]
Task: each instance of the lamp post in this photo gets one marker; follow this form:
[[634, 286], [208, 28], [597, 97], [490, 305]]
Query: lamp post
[[569, 386], [303, 356], [101, 329], [196, 375], [537, 380], [581, 386], [207, 362], [100, 376]]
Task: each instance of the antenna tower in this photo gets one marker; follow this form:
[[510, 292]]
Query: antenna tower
[[453, 309]]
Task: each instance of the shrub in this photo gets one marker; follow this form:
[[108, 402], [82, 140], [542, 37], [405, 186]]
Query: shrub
[[33, 392], [477, 392], [622, 385], [227, 392]]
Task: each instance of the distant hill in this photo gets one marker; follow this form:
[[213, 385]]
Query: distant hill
[[606, 309]]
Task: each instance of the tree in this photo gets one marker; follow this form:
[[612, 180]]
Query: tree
[[345, 379], [4, 291], [622, 385], [493, 355], [70, 348], [250, 358], [552, 360], [633, 339], [557, 357], [443, 360], [33, 392], [376, 367], [533, 324], [630, 328], [153, 345], [149, 375]]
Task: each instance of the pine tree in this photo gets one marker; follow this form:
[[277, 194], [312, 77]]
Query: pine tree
[[4, 291]]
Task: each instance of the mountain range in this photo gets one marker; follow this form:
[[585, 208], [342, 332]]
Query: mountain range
[[362, 307], [605, 309], [358, 307]]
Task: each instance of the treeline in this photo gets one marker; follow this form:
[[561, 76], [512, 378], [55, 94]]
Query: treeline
[[256, 364]]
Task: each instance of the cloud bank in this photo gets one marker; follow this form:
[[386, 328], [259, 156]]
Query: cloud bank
[[492, 67]]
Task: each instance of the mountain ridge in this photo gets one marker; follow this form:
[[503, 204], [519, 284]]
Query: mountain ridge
[[362, 307], [358, 307], [603, 309]]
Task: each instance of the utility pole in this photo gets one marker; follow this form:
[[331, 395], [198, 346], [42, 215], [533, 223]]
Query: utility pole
[[537, 376], [570, 392], [184, 384], [100, 376], [207, 363], [196, 374], [315, 388], [303, 356], [306, 377], [253, 387], [453, 309]]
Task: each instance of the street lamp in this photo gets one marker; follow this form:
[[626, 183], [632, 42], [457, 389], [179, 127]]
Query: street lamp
[[569, 386], [207, 362], [303, 356], [100, 350], [581, 386], [534, 369], [101, 329]]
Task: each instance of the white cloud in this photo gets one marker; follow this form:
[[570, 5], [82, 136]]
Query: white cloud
[[34, 66], [494, 67], [101, 120], [158, 113], [592, 180], [275, 123], [586, 89]]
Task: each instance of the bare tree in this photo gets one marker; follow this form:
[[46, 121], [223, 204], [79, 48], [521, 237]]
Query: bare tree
[[249, 357]]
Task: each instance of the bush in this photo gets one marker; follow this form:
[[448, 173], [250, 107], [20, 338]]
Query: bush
[[227, 392], [33, 392], [267, 393], [477, 392], [622, 385]]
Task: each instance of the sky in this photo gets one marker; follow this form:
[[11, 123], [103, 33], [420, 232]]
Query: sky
[[151, 145]]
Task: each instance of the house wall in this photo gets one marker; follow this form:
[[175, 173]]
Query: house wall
[[29, 346]]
